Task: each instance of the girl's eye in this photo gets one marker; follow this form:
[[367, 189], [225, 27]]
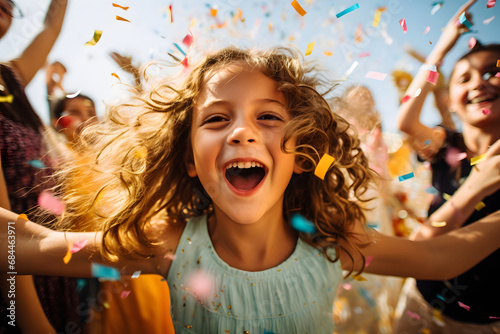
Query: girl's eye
[[463, 79], [270, 117], [488, 75], [214, 119]]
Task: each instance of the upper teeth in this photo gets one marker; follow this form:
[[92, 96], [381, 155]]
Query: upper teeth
[[480, 99], [241, 164]]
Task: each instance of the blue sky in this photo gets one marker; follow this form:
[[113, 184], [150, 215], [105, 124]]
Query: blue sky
[[150, 35]]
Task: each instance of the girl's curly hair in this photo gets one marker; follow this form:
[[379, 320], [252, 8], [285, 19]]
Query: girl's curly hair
[[132, 164]]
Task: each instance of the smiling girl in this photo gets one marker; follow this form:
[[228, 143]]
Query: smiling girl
[[227, 160]]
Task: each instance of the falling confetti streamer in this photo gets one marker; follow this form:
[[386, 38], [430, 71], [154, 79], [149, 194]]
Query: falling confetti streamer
[[477, 159], [67, 257], [170, 14], [406, 177], [298, 8], [462, 305], [301, 224], [116, 76], [351, 69], [119, 18], [323, 165], [347, 10], [462, 19], [117, 5], [179, 48], [309, 49], [376, 75], [402, 23], [487, 21], [95, 38]]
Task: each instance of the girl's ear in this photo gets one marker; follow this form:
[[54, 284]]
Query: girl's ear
[[297, 168]]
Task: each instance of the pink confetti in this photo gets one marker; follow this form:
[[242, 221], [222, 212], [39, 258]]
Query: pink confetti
[[347, 286], [77, 246], [497, 75], [491, 317], [200, 285], [490, 4], [375, 75], [47, 201], [124, 294], [413, 315], [454, 156], [368, 261], [433, 77], [402, 22], [364, 54], [486, 111], [462, 305], [426, 30], [170, 256], [472, 42], [405, 98], [188, 40]]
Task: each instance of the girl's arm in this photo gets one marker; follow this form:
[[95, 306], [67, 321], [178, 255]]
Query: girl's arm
[[40, 251], [483, 181], [439, 258], [409, 111], [35, 54]]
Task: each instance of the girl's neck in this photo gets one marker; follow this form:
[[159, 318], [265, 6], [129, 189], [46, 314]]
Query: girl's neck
[[479, 140], [252, 247]]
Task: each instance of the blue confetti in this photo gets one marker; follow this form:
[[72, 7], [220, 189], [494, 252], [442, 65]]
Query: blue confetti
[[347, 10], [179, 48], [37, 164], [105, 272], [367, 296], [268, 332], [440, 297], [431, 190], [406, 176], [302, 225], [427, 142], [80, 284], [464, 21]]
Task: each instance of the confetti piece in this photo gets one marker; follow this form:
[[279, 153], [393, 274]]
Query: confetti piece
[[463, 20], [454, 156], [136, 274], [77, 246], [486, 111], [490, 4], [328, 53], [95, 38], [462, 305], [479, 206], [438, 224], [347, 10], [200, 284], [433, 77], [117, 5], [9, 98], [323, 165], [487, 21], [406, 176], [124, 294], [472, 42], [116, 76], [497, 75], [64, 121], [426, 331], [376, 18], [368, 261], [431, 190], [80, 284], [375, 75], [498, 63], [491, 317], [364, 54], [106, 305], [170, 14], [37, 164], [477, 159], [71, 96], [67, 257], [23, 216], [351, 69], [413, 315], [446, 196], [47, 201], [298, 8], [429, 67], [405, 98], [359, 278], [427, 142], [213, 12], [170, 256], [119, 18], [427, 29], [105, 272], [179, 48], [309, 49], [188, 40], [439, 297], [402, 23], [301, 224], [436, 6], [184, 62], [347, 286]]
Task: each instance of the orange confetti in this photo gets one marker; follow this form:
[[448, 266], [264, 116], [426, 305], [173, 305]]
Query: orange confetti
[[328, 53], [359, 278], [116, 76], [170, 14], [310, 48], [298, 8], [213, 12], [67, 257], [119, 18], [237, 16], [23, 216], [117, 5]]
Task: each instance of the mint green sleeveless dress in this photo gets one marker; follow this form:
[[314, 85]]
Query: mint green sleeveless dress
[[209, 296]]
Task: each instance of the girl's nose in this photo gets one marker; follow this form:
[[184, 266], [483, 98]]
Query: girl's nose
[[242, 135], [480, 82]]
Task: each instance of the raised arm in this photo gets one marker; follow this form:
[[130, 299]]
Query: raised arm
[[35, 54], [439, 258], [409, 111]]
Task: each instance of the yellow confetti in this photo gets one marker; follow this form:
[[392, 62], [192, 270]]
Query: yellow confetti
[[438, 224], [9, 98], [426, 331], [67, 257], [446, 196], [141, 152], [437, 314], [23, 216], [328, 53], [298, 8], [479, 206], [376, 18], [478, 159], [95, 38], [323, 165], [359, 278], [498, 63], [310, 48], [106, 305]]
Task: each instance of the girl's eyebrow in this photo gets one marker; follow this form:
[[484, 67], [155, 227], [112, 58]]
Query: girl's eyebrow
[[217, 102]]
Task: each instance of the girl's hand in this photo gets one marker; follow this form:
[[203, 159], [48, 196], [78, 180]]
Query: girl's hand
[[452, 31], [484, 179]]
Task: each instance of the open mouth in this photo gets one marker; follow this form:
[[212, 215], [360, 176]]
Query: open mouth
[[484, 98], [245, 176]]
